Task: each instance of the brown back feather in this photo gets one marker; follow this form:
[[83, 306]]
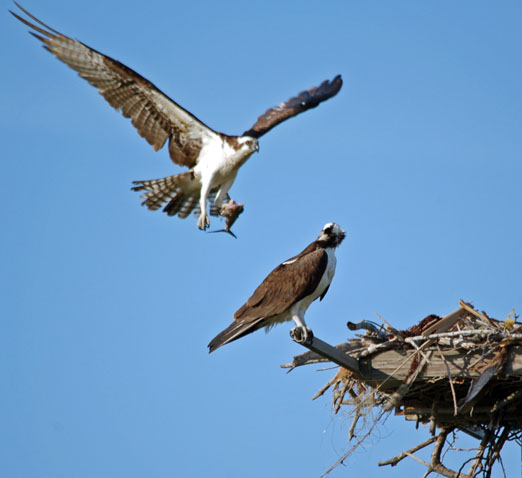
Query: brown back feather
[[285, 285]]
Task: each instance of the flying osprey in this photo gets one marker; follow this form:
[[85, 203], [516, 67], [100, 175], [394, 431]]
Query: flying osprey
[[213, 158], [288, 290]]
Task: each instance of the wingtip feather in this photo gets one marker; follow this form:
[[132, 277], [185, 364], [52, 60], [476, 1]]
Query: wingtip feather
[[34, 18], [338, 79]]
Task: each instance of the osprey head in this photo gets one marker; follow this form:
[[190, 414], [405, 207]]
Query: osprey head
[[249, 144], [332, 235]]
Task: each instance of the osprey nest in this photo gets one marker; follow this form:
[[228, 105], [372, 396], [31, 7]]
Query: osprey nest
[[459, 373]]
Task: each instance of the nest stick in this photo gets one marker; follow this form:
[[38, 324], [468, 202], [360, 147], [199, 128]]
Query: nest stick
[[397, 396], [396, 459], [356, 417], [340, 461], [435, 464], [476, 313], [506, 401], [452, 387]]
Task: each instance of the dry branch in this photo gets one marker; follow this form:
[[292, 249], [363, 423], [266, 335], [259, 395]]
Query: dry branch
[[396, 459]]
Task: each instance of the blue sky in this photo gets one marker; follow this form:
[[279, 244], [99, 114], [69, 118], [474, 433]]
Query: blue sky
[[108, 307]]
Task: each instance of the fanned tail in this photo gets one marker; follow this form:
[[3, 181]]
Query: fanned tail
[[180, 193]]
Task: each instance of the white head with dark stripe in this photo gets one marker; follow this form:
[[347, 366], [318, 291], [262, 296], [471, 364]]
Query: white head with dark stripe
[[331, 236], [247, 144]]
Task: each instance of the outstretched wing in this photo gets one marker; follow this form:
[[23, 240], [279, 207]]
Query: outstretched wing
[[292, 107], [288, 283], [155, 116]]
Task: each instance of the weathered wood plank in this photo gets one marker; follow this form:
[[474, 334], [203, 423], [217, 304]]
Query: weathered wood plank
[[393, 366]]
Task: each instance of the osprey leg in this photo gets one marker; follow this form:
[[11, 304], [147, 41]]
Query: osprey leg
[[222, 193], [204, 221], [301, 333]]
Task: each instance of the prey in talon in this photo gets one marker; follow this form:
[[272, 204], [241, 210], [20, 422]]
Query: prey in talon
[[230, 212]]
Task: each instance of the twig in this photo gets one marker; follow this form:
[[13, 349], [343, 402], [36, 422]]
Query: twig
[[393, 461], [356, 417], [459, 473], [397, 396], [459, 342], [351, 450], [435, 464], [456, 333], [389, 328], [480, 453], [502, 466], [418, 349], [325, 369], [371, 349], [416, 458], [454, 396], [476, 313], [340, 395], [408, 358], [325, 388], [495, 450], [433, 417], [506, 401]]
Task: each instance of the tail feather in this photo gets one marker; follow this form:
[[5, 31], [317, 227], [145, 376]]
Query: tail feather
[[188, 206], [212, 210], [234, 331], [181, 205], [179, 192], [173, 205]]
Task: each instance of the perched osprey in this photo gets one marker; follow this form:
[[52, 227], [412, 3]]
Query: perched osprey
[[288, 290], [213, 158]]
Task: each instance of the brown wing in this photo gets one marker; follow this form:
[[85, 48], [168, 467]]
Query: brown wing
[[302, 102], [284, 286], [154, 114]]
